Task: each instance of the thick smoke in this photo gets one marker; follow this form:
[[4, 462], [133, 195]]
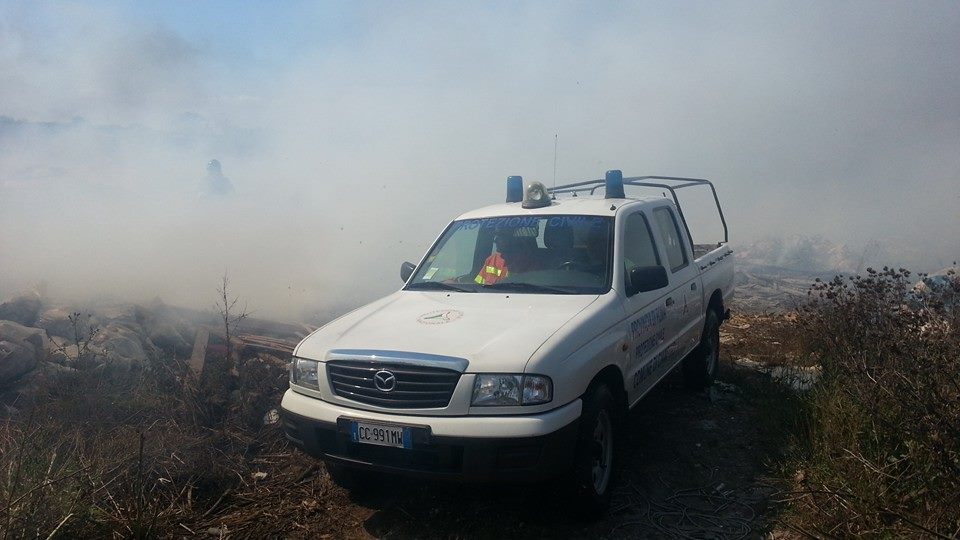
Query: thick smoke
[[352, 137]]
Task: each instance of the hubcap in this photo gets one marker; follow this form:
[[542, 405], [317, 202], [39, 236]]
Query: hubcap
[[603, 461]]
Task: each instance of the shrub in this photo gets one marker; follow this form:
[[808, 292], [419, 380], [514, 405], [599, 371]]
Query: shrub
[[881, 451]]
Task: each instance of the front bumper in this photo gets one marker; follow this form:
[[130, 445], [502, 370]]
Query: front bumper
[[467, 448]]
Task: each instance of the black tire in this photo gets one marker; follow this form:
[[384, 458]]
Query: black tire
[[593, 466], [350, 479], [700, 368]]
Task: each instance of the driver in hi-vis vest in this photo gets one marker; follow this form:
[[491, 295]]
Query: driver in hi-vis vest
[[514, 250]]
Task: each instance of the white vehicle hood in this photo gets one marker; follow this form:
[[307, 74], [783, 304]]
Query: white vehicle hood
[[494, 332]]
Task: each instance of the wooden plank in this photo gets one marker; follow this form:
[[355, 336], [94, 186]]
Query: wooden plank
[[278, 347], [199, 350]]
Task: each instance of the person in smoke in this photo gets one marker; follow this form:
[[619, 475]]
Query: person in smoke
[[215, 184]]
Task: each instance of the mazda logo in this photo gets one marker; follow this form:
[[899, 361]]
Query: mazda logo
[[385, 381]]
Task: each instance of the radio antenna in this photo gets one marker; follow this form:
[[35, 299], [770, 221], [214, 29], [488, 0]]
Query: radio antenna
[[554, 160]]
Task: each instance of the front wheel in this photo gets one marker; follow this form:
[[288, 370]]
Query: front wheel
[[700, 368], [350, 479], [593, 464]]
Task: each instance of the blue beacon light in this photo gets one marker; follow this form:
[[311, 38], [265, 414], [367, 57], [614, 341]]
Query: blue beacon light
[[514, 189], [614, 185]]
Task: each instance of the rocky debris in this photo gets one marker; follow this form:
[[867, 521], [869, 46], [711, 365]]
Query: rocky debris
[[944, 284], [119, 335], [774, 274], [23, 309], [800, 253], [123, 339], [769, 289], [799, 378]]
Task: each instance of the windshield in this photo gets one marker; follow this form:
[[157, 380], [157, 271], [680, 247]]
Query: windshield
[[557, 254]]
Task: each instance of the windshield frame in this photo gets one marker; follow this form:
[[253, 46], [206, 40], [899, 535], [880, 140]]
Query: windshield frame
[[475, 288]]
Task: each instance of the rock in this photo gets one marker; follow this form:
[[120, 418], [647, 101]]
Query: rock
[[16, 360], [120, 345], [125, 314], [166, 336], [23, 309], [117, 365], [21, 350], [272, 417], [55, 370], [12, 331], [56, 322]]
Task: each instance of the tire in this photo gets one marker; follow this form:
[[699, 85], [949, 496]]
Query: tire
[[700, 368], [347, 478], [593, 466]]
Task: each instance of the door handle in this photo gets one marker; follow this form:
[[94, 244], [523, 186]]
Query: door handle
[[669, 301], [693, 286]]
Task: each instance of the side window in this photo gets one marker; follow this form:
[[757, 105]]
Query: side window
[[638, 246], [670, 238]]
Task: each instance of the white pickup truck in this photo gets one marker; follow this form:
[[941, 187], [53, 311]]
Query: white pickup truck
[[518, 343]]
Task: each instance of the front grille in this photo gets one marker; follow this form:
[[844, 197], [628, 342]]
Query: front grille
[[417, 387]]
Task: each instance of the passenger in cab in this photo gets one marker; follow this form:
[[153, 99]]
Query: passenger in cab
[[515, 251], [597, 255], [558, 239]]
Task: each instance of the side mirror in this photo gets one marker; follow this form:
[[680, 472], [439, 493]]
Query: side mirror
[[646, 278], [406, 269]]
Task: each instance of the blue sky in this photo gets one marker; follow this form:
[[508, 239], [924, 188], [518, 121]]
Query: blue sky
[[253, 35]]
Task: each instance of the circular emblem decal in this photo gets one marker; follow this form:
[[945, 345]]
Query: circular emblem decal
[[441, 316], [384, 380]]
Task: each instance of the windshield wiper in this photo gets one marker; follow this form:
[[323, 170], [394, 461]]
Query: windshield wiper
[[528, 287], [436, 286]]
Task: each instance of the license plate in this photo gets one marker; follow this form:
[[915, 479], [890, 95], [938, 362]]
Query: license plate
[[381, 434]]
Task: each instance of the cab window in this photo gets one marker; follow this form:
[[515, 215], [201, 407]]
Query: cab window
[[548, 254], [638, 246], [670, 238], [459, 251]]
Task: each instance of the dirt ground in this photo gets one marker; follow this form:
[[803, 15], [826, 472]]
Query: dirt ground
[[696, 465]]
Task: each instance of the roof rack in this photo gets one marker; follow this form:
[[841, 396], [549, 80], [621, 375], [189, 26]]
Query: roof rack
[[670, 183]]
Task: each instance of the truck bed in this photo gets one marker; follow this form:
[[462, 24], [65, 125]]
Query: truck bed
[[715, 262], [699, 250]]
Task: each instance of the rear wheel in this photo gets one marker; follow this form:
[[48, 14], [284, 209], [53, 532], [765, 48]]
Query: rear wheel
[[700, 368], [594, 461]]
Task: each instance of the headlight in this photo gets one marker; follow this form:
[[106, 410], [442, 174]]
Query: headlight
[[304, 373], [511, 390]]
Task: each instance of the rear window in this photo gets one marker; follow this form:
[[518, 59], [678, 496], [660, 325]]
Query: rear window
[[670, 238]]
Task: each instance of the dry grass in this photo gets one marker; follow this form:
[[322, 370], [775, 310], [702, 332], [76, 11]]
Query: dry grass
[[101, 454]]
